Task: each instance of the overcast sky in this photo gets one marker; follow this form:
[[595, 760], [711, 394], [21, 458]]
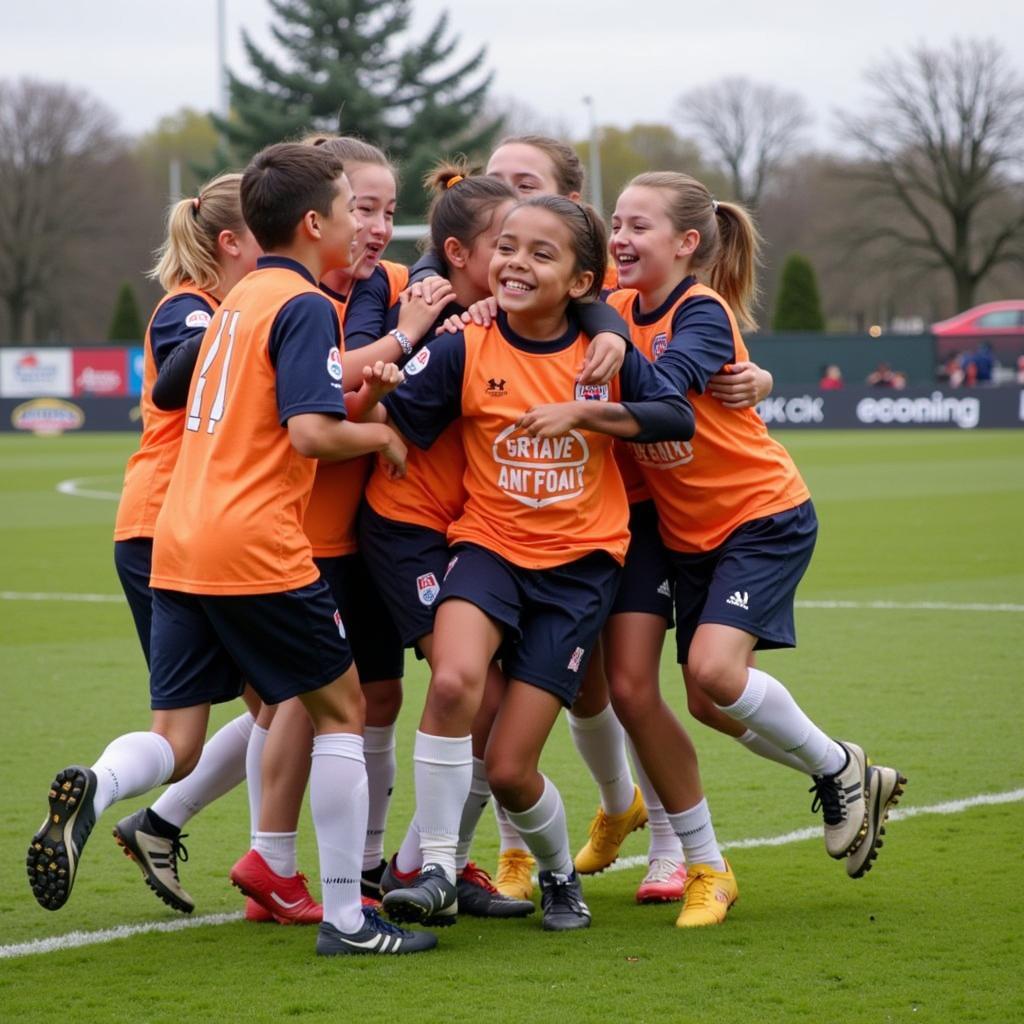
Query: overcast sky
[[146, 59]]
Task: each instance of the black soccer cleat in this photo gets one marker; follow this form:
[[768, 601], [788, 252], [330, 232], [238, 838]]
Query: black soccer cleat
[[479, 898], [56, 848], [375, 937], [561, 900], [428, 899], [369, 881]]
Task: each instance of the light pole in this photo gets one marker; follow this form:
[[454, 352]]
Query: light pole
[[595, 158], [223, 97]]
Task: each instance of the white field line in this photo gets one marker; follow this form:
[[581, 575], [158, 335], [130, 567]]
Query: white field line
[[896, 606], [75, 940], [75, 489]]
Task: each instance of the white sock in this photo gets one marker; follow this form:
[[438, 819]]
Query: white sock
[[253, 776], [766, 749], [131, 765], [508, 837], [409, 859], [221, 767], [379, 751], [663, 842], [601, 742], [443, 769], [697, 835], [479, 794], [279, 850], [767, 708], [543, 828], [338, 796]]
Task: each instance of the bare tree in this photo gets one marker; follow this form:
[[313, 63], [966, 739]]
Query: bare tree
[[746, 128], [943, 152], [62, 185]]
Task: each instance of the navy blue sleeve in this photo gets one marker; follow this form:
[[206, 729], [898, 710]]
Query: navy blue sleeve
[[702, 343], [431, 396], [428, 265], [653, 401], [170, 389], [304, 350], [598, 317], [366, 310], [177, 320]]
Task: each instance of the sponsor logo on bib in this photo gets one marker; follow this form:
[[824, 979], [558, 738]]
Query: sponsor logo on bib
[[334, 364], [198, 318], [662, 454], [540, 471], [591, 392]]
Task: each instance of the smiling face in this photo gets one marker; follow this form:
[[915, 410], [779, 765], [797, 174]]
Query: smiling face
[[647, 249], [534, 270], [375, 194], [527, 170]]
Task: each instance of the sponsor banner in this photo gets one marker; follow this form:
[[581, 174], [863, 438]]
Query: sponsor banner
[[35, 372], [100, 371], [136, 366], [873, 408], [54, 416]]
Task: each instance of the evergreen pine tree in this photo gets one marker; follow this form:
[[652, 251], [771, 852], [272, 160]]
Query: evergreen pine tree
[[125, 324], [798, 306], [342, 71]]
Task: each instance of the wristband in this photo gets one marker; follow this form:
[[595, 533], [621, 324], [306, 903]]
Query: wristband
[[403, 341]]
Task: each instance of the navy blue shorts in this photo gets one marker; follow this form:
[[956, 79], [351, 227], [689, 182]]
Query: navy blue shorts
[[376, 645], [285, 644], [749, 581], [133, 560], [647, 578], [552, 617], [407, 564]]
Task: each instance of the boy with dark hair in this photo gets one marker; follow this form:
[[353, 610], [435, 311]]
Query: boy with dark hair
[[236, 593]]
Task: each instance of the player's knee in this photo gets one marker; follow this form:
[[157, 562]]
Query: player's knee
[[383, 702], [452, 693], [187, 751], [634, 698], [701, 707], [509, 779], [713, 674]]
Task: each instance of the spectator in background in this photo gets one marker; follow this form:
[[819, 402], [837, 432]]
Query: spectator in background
[[884, 376], [831, 378], [977, 365]]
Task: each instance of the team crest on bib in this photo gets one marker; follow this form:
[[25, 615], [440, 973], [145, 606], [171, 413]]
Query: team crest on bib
[[334, 364], [540, 471], [198, 318], [417, 363], [659, 345], [427, 588], [591, 392]]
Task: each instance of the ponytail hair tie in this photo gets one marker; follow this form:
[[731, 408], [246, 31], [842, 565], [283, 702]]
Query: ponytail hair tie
[[195, 205], [453, 181], [714, 205]]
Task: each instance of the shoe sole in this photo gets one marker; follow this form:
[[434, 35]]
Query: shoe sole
[[278, 919], [499, 911], [161, 891], [884, 792], [598, 871], [56, 848], [407, 911], [577, 925], [646, 900]]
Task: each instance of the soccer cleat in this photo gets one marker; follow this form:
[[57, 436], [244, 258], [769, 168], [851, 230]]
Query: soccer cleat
[[885, 787], [479, 898], [369, 882], [428, 899], [56, 848], [287, 900], [256, 912], [663, 882], [840, 798], [376, 936], [607, 834], [157, 856], [515, 874], [707, 895], [561, 900], [391, 878]]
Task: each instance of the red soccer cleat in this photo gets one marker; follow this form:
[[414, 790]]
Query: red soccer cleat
[[287, 900]]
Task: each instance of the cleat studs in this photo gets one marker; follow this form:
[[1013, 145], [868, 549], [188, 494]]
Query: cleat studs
[[71, 801], [56, 819], [66, 786]]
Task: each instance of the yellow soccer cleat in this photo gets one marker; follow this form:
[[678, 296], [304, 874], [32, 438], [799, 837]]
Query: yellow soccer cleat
[[607, 834], [515, 874], [707, 896]]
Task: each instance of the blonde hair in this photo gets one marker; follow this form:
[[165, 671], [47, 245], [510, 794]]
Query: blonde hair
[[730, 246], [564, 162], [190, 250]]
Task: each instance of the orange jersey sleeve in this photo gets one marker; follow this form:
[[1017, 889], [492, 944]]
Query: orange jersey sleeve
[[148, 472], [232, 519], [731, 472], [398, 278]]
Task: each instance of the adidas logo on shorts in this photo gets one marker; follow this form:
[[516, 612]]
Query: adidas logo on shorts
[[664, 589], [738, 600]]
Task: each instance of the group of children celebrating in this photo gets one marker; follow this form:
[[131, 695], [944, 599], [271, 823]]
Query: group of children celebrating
[[526, 458]]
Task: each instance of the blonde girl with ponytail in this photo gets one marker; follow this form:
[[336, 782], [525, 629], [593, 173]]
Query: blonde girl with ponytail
[[208, 249]]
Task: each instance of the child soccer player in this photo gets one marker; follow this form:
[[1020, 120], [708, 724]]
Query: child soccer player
[[733, 511], [537, 549], [235, 588]]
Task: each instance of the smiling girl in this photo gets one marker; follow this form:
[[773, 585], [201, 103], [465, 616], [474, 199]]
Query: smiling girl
[[537, 551]]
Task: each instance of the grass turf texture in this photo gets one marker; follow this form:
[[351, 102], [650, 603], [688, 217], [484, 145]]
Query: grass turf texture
[[931, 934]]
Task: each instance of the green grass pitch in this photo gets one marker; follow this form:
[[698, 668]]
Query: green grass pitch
[[933, 933]]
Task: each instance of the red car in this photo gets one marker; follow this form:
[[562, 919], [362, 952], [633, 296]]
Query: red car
[[985, 321]]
